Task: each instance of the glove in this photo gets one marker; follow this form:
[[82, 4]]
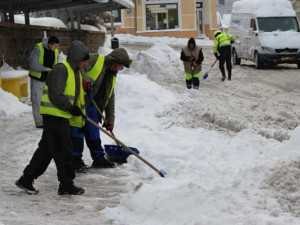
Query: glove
[[191, 58], [194, 64], [76, 111], [108, 127], [86, 85], [217, 56]]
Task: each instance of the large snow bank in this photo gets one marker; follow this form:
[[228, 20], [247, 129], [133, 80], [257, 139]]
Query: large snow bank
[[264, 8]]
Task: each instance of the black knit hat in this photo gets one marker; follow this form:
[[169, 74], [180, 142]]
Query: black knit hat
[[192, 41], [87, 57]]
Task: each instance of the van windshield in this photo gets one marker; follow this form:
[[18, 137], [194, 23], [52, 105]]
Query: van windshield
[[269, 24]]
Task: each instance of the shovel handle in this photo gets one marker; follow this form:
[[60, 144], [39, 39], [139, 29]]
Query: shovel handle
[[101, 114], [161, 173]]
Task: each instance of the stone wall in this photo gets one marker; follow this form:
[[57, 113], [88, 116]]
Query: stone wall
[[17, 41]]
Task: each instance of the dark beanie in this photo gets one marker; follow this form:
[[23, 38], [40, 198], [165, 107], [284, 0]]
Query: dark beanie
[[87, 57], [192, 41]]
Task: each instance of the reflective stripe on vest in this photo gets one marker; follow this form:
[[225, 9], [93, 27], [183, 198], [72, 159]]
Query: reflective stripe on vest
[[47, 108], [41, 60], [97, 68], [111, 90]]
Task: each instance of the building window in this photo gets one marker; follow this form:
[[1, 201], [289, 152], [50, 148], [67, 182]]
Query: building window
[[221, 2], [161, 16]]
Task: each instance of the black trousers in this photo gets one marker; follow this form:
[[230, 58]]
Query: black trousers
[[225, 56], [55, 144]]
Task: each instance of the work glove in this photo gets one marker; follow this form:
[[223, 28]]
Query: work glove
[[194, 64], [75, 111], [108, 127], [217, 56], [86, 85], [48, 69], [192, 58]]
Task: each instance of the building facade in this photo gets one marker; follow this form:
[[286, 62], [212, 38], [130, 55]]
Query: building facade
[[172, 18]]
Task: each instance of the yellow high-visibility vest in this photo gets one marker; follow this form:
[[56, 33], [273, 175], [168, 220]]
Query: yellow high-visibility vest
[[97, 68], [41, 60], [47, 108]]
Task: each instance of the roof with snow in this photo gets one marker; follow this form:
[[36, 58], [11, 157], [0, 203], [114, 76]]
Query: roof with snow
[[264, 8], [21, 6]]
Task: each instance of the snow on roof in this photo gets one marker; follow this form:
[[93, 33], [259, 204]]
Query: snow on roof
[[125, 3], [264, 8]]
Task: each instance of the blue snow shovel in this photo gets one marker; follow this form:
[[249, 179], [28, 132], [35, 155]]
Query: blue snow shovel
[[206, 74], [112, 136]]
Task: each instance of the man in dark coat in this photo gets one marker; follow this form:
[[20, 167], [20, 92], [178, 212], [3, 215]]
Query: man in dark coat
[[102, 72], [62, 105]]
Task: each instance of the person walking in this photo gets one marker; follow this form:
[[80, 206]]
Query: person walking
[[62, 106], [42, 59], [222, 45], [192, 58], [101, 72]]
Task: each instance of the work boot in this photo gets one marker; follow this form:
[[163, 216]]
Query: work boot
[[196, 87], [223, 78], [102, 162], [27, 185], [79, 165], [70, 189]]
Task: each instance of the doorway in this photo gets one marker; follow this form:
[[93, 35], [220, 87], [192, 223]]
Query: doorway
[[199, 19]]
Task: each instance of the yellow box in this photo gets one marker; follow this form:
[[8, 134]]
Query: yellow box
[[17, 86]]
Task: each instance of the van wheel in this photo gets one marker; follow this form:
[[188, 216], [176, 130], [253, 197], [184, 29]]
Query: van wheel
[[257, 60], [235, 59]]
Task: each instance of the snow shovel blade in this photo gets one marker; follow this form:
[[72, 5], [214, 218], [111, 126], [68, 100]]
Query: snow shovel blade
[[205, 76], [162, 173]]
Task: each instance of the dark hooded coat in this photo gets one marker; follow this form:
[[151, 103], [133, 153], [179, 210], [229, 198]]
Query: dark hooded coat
[[104, 82], [57, 77]]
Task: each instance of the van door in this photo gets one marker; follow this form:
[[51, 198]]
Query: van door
[[250, 40]]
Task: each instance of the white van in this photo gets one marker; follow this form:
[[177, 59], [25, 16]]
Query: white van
[[268, 32]]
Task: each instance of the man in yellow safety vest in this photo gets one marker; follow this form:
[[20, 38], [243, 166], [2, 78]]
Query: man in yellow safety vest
[[222, 45], [42, 59], [62, 106]]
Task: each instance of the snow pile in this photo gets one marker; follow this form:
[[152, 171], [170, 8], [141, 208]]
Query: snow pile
[[128, 38], [161, 62], [9, 72], [284, 180], [10, 105], [264, 8]]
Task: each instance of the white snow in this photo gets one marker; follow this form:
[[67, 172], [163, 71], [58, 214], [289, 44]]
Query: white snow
[[231, 150], [44, 21], [264, 8], [8, 72]]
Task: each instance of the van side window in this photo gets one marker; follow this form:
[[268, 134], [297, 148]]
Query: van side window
[[253, 24]]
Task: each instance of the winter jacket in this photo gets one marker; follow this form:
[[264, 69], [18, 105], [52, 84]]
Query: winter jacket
[[57, 78], [1, 60], [103, 87], [222, 39], [196, 53], [39, 66]]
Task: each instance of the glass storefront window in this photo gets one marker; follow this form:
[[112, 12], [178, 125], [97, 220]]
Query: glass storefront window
[[161, 16]]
